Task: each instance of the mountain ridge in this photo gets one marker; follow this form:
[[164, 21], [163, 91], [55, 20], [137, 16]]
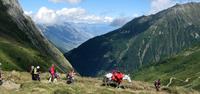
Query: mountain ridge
[[141, 41]]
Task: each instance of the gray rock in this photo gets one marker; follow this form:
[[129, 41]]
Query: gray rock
[[11, 85]]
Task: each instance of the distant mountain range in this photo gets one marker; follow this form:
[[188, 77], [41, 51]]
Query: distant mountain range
[[143, 40], [67, 36], [22, 44]]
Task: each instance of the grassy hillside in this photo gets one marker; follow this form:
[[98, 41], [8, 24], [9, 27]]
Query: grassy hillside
[[16, 56], [22, 43], [183, 69], [82, 85]]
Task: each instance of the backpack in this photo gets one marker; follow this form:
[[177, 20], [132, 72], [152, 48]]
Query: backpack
[[119, 76], [35, 71]]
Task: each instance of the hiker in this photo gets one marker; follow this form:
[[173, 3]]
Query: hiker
[[70, 77], [31, 72], [52, 72], [1, 82], [114, 73], [36, 73], [57, 75], [117, 76], [157, 84]]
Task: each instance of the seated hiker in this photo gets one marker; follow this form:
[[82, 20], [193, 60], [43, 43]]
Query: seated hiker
[[157, 84], [70, 76], [56, 76], [114, 76], [117, 77]]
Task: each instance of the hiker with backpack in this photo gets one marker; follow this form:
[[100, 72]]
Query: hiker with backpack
[[157, 84], [36, 73], [117, 76], [70, 77]]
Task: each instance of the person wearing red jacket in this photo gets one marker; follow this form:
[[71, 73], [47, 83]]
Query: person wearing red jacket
[[117, 76], [52, 72]]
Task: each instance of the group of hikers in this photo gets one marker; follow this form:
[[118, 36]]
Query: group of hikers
[[35, 72], [117, 76]]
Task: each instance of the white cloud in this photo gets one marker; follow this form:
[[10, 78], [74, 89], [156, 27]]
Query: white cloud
[[75, 15], [45, 15], [120, 21], [69, 1], [96, 19], [136, 15], [71, 12], [28, 13], [158, 5]]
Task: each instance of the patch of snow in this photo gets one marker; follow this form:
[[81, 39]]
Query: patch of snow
[[196, 35], [190, 23]]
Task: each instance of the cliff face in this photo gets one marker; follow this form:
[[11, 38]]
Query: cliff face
[[142, 41], [18, 31]]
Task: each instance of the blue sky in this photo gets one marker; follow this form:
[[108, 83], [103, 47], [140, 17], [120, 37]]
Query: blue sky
[[98, 7], [95, 11]]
